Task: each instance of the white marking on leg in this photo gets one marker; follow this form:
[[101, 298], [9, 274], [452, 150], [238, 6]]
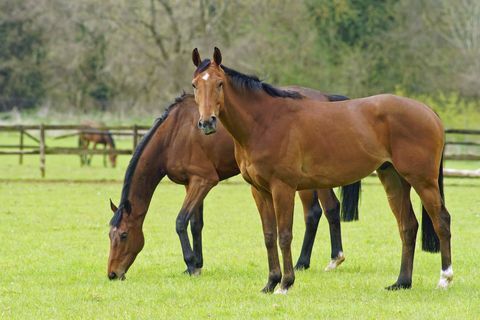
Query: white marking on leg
[[446, 277], [281, 291], [334, 263], [206, 76], [197, 272]]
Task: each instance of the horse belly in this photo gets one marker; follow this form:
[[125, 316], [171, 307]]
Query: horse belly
[[332, 169]]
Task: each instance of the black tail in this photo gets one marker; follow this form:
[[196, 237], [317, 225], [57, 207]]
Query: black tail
[[350, 196], [430, 242]]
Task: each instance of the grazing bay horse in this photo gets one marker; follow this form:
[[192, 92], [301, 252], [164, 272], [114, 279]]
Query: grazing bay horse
[[188, 157], [285, 142], [97, 134]]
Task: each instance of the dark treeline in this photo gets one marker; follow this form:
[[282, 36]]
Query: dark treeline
[[106, 55]]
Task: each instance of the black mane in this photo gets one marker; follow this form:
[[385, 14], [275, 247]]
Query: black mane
[[124, 203], [252, 83], [203, 66]]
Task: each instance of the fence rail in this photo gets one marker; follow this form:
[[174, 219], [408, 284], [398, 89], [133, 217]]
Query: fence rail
[[41, 148], [136, 131]]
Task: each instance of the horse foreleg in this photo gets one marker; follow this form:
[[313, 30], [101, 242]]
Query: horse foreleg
[[264, 204], [312, 213], [197, 189], [283, 197], [196, 226], [331, 205], [398, 193], [104, 156]]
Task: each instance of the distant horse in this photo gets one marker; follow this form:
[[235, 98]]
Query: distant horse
[[285, 142], [177, 150], [94, 132]]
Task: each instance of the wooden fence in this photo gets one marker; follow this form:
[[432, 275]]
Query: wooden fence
[[39, 147]]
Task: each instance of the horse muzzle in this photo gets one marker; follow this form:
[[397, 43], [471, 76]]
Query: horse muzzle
[[208, 126], [114, 276]]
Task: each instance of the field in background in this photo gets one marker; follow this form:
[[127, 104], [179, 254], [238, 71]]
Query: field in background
[[55, 249], [67, 167]]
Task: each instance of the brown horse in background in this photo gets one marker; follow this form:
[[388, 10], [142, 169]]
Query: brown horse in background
[[96, 133], [285, 142], [178, 151]]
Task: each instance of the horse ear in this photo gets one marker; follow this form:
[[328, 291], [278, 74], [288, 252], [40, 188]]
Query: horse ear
[[113, 207], [217, 56], [196, 57]]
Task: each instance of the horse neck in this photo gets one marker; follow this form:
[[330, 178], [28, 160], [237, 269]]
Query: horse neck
[[109, 141], [148, 173], [241, 111]]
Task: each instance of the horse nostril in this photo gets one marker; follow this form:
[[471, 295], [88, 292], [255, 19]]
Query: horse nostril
[[112, 275], [199, 125], [213, 119]]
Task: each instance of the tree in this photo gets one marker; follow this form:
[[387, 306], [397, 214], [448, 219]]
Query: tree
[[22, 53]]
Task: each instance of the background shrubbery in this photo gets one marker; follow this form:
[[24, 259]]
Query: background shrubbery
[[121, 57]]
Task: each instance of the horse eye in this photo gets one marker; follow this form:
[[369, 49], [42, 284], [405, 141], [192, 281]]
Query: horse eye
[[220, 85], [194, 87], [123, 236]]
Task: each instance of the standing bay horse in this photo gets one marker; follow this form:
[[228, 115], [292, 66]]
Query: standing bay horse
[[286, 142], [179, 151], [97, 134]]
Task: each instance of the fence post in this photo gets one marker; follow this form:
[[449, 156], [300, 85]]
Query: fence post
[[20, 158], [42, 150], [135, 137]]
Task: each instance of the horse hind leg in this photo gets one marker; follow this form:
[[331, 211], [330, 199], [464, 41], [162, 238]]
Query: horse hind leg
[[331, 206], [312, 213], [89, 162], [431, 198], [398, 193]]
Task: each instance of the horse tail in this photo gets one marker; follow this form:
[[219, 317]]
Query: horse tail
[[430, 242], [350, 196]]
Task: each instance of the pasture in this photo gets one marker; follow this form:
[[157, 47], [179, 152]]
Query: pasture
[[55, 249]]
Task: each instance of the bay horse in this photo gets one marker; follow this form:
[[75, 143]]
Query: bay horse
[[285, 142], [173, 149], [97, 134]]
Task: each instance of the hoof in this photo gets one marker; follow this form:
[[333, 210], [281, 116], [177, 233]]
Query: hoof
[[267, 289], [398, 286], [193, 271], [334, 263], [271, 284], [446, 278], [301, 266], [281, 291]]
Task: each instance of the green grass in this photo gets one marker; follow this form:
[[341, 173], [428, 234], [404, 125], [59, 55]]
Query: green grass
[[55, 249]]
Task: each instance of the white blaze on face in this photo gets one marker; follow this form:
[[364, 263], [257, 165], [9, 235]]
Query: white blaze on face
[[206, 76]]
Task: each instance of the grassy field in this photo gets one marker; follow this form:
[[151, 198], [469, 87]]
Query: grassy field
[[55, 248]]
